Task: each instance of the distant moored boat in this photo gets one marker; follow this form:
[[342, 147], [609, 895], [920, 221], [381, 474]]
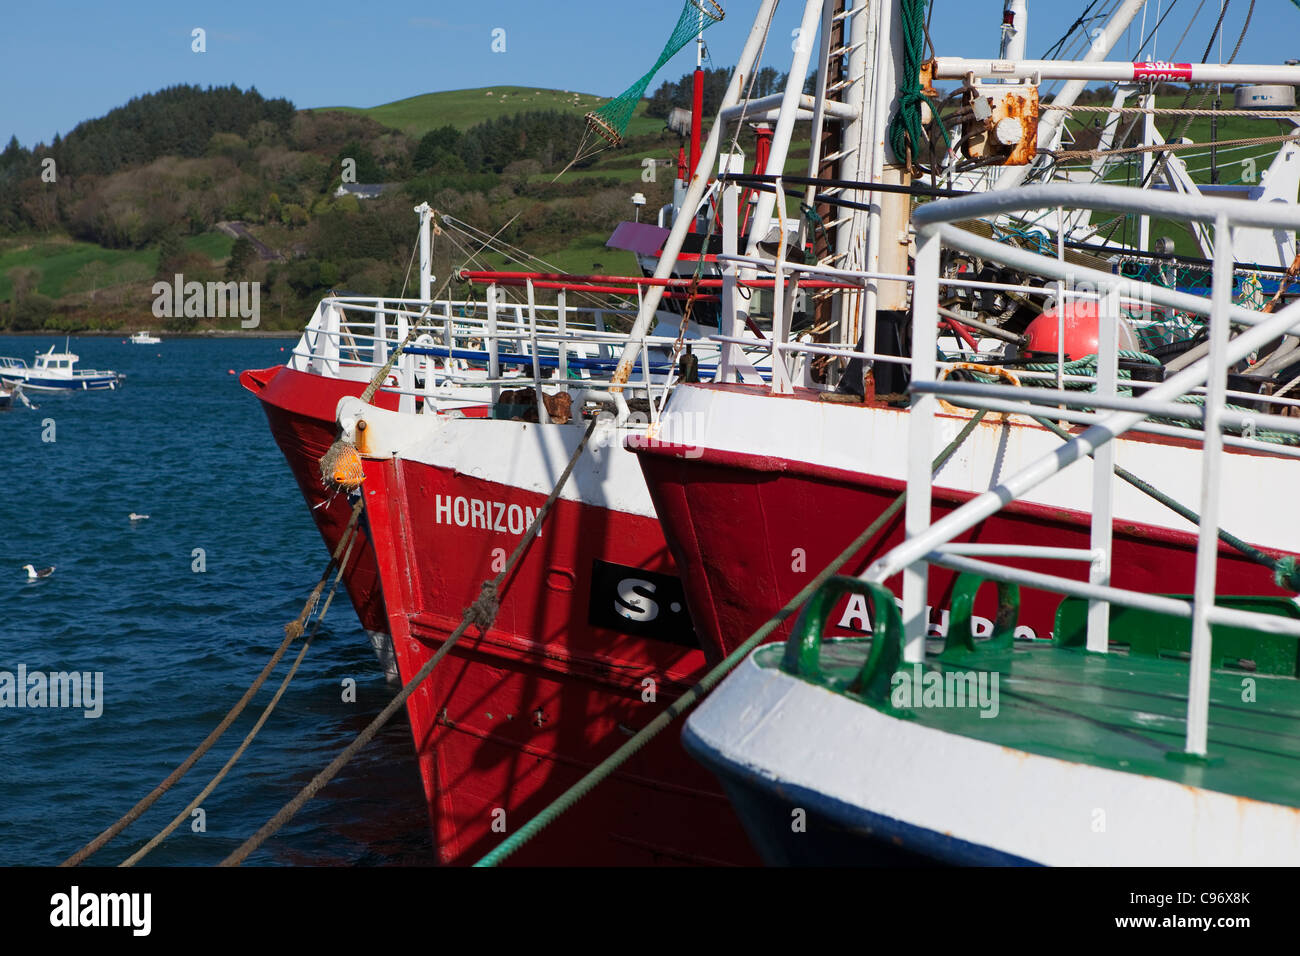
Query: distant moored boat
[[56, 372]]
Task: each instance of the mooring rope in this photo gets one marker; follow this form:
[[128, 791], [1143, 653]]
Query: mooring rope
[[707, 682], [1067, 154], [292, 631], [480, 613], [184, 815], [1286, 574]]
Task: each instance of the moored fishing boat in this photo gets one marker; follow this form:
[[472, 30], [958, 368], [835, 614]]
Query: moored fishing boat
[[576, 659], [796, 458], [1153, 729], [593, 609], [348, 339]]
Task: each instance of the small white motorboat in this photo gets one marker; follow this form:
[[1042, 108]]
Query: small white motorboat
[[56, 372], [144, 338]]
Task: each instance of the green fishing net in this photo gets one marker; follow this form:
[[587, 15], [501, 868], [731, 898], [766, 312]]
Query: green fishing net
[[610, 121]]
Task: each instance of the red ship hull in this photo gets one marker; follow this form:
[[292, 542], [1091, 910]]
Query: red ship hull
[[750, 531], [300, 409], [513, 717]]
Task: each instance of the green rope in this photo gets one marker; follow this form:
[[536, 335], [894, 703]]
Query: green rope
[[1088, 364], [905, 132], [1286, 572], [816, 223], [706, 683]]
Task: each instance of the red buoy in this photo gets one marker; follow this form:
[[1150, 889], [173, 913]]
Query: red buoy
[[1080, 332]]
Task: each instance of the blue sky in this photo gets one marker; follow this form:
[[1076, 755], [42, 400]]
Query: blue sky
[[60, 64]]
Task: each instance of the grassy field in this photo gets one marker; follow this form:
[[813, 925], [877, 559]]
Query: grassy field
[[416, 115], [67, 266], [214, 245], [1236, 164], [585, 254]]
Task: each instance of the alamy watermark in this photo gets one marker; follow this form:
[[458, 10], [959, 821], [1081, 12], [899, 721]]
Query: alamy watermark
[[75, 909], [683, 433], [917, 689], [210, 300], [54, 690]]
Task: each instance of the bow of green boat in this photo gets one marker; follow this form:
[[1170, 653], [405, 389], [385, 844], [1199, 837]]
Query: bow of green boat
[[1003, 751]]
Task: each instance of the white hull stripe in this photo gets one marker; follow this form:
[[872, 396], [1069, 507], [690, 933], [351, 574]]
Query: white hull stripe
[[1016, 803]]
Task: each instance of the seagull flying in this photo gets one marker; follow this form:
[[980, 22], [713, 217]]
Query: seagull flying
[[33, 574]]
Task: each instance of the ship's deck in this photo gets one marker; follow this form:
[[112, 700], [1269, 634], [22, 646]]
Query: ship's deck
[[1121, 711]]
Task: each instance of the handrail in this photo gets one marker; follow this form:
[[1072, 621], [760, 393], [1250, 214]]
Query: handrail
[[1096, 196], [925, 537], [349, 335], [582, 283]]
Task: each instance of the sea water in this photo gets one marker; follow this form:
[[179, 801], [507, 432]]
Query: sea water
[[176, 615]]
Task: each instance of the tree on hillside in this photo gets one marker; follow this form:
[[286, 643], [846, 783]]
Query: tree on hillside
[[31, 312], [14, 155], [367, 169], [22, 281], [178, 120], [544, 135], [242, 255], [437, 149], [171, 254]]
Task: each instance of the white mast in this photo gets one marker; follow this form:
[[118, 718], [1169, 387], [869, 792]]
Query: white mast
[[1014, 33], [694, 194]]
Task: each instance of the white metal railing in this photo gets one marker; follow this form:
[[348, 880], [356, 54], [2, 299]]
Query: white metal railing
[[469, 349], [930, 542], [1076, 283]]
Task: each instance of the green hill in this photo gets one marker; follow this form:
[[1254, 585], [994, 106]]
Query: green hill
[[417, 115]]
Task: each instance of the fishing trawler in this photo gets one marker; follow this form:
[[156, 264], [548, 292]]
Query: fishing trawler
[[796, 457], [1156, 727], [605, 620], [574, 661]]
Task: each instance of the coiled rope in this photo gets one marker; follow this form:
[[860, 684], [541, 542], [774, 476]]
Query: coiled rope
[[905, 130]]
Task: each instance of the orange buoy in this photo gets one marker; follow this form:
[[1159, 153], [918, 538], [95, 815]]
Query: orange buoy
[[340, 466]]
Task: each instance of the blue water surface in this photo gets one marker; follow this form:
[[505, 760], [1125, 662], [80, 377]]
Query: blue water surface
[[182, 442]]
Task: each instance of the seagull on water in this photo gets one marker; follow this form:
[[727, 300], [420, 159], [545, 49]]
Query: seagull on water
[[33, 574], [135, 517]]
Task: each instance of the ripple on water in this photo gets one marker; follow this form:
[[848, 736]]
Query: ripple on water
[[176, 645]]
